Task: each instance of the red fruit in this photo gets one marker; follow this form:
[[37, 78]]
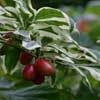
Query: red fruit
[[29, 72], [39, 79], [44, 67], [7, 35], [25, 58]]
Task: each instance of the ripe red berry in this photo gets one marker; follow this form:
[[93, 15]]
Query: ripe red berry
[[44, 67], [29, 72], [25, 58], [39, 79]]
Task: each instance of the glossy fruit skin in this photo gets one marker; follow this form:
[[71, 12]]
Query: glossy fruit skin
[[29, 72], [39, 79], [44, 67], [25, 58]]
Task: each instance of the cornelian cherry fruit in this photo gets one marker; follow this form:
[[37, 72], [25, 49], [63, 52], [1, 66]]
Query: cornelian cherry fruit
[[25, 58], [29, 72], [36, 72], [44, 67], [39, 79]]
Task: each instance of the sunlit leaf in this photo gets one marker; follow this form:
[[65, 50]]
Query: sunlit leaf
[[31, 45], [23, 33], [95, 72]]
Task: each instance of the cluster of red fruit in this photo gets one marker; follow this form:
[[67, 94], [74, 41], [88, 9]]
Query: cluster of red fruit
[[34, 72]]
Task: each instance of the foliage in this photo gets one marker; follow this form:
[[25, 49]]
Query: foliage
[[44, 33]]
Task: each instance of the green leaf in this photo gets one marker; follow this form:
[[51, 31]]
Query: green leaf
[[96, 53], [2, 50], [53, 79], [65, 36], [5, 83], [29, 6], [22, 5], [23, 33], [88, 58], [47, 12], [87, 51], [43, 92], [2, 10], [4, 20], [39, 26], [14, 12], [52, 16], [31, 45], [11, 57], [95, 72], [64, 58], [49, 35], [46, 40], [73, 28], [60, 49], [5, 28]]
